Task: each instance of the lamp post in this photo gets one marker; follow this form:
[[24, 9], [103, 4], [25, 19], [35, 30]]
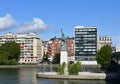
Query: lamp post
[[43, 68], [51, 58]]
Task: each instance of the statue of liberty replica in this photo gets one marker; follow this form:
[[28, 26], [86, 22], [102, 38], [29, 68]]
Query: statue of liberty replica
[[63, 41], [63, 53]]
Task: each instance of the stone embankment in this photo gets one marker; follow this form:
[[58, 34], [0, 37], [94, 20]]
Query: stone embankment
[[26, 66], [41, 65], [82, 76]]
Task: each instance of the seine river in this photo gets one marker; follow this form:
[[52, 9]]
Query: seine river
[[28, 76]]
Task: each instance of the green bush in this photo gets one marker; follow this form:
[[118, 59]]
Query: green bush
[[61, 68], [74, 68]]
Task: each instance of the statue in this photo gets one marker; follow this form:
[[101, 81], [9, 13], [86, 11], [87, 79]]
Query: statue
[[63, 41], [64, 54]]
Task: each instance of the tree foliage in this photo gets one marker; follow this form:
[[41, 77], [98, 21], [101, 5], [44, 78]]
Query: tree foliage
[[74, 68], [61, 68], [56, 58], [104, 56], [9, 53], [3, 57]]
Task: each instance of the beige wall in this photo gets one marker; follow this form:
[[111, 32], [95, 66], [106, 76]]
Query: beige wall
[[34, 47]]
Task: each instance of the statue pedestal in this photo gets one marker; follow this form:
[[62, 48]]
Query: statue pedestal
[[64, 58]]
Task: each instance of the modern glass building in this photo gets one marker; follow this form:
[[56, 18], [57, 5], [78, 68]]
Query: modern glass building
[[85, 43]]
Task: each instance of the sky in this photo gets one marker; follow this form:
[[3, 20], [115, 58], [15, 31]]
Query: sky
[[48, 17]]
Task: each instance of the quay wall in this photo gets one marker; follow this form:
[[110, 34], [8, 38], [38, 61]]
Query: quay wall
[[41, 65], [25, 66], [81, 76]]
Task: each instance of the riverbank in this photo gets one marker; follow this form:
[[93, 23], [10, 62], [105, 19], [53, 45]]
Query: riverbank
[[41, 65], [27, 66], [81, 76]]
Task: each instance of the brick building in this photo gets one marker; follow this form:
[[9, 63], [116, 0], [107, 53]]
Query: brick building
[[54, 46]]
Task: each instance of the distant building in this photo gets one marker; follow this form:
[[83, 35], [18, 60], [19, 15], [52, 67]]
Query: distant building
[[70, 46], [45, 47], [85, 43], [117, 48], [54, 46], [103, 41], [30, 45]]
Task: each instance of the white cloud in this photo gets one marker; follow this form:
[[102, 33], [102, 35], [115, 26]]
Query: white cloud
[[37, 25], [6, 22]]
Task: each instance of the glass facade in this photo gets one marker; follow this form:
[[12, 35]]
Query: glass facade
[[85, 43]]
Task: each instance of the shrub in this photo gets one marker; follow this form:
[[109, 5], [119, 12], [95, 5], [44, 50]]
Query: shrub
[[74, 68], [61, 68]]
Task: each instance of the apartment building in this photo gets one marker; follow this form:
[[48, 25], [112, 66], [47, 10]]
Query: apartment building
[[103, 41], [30, 45], [70, 46], [54, 46], [85, 43]]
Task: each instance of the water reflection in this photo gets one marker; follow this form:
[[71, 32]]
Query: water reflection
[[28, 76], [57, 81], [6, 74]]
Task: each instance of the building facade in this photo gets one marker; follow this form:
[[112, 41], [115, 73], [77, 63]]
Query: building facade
[[45, 47], [30, 45], [70, 46], [103, 41], [85, 43], [55, 47]]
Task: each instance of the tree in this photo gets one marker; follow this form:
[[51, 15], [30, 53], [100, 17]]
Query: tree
[[11, 51], [104, 56], [56, 58], [3, 57], [61, 68]]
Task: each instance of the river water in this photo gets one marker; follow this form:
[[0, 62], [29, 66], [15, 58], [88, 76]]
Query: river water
[[28, 76]]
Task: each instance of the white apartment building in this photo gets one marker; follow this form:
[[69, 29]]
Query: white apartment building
[[104, 40], [30, 45]]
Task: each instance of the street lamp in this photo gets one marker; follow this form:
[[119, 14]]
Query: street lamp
[[51, 58], [43, 68]]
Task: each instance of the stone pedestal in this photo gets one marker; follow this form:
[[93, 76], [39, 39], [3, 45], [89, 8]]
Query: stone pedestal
[[64, 58]]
